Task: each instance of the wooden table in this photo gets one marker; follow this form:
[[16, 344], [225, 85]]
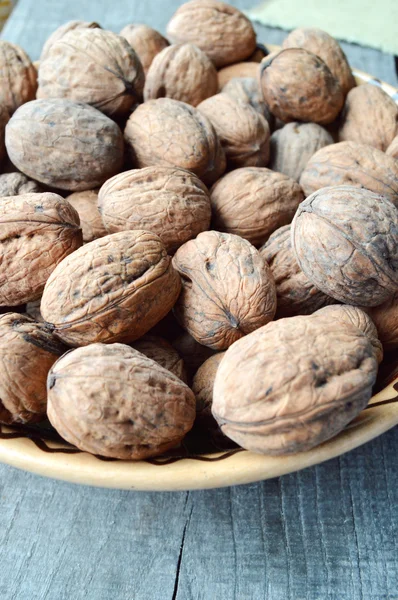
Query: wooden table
[[329, 532]]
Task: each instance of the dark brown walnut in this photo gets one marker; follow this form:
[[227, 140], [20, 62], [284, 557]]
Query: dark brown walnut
[[110, 290], [253, 202], [202, 387], [327, 48], [385, 317], [163, 353], [64, 144], [171, 202], [169, 133], [298, 86], [294, 144], [295, 293], [243, 132], [369, 117], [32, 309], [192, 353], [93, 66], [221, 31], [145, 41], [346, 242], [349, 163], [247, 89], [293, 384], [18, 77], [392, 149], [4, 118], [27, 352], [242, 69], [227, 289], [116, 402], [61, 31], [15, 184], [37, 231], [86, 204]]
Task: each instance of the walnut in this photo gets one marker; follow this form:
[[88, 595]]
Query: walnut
[[166, 132], [4, 118], [385, 318], [112, 289], [243, 132], [193, 353], [202, 387], [64, 144], [116, 402], [247, 89], [253, 202], [163, 353], [227, 289], [392, 149], [220, 30], [64, 29], [258, 55], [346, 241], [27, 352], [15, 184], [171, 202], [85, 203], [93, 66], [242, 69], [37, 231], [145, 41], [18, 77], [293, 384], [298, 86]]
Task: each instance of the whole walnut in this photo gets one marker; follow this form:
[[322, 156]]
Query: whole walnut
[[37, 231], [93, 66], [4, 118], [116, 402], [171, 202], [112, 289], [64, 144], [253, 202], [294, 144], [295, 293], [349, 163], [192, 353], [247, 89], [27, 352], [18, 77], [243, 132], [64, 29], [385, 317], [293, 384], [182, 72], [166, 132], [145, 41], [163, 353], [298, 86], [85, 203], [327, 48], [202, 387], [227, 289], [15, 184], [369, 117], [220, 30], [392, 149], [241, 69], [346, 241]]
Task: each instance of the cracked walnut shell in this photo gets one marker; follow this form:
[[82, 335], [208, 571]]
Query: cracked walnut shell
[[18, 77], [145, 41], [85, 203]]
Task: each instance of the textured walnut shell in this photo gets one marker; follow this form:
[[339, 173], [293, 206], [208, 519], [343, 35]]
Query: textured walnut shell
[[227, 289], [253, 202], [93, 66], [37, 231], [145, 41], [346, 242], [349, 163], [295, 293], [112, 289], [218, 29], [247, 89], [18, 77], [163, 353], [66, 145], [392, 149], [167, 132], [15, 184], [4, 118], [116, 402], [27, 352], [182, 72], [85, 203], [192, 353], [369, 117], [327, 48], [293, 384], [202, 387], [294, 144], [64, 29], [173, 203], [298, 86], [243, 132], [385, 317], [242, 69]]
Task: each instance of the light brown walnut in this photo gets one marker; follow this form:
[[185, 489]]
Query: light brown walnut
[[15, 184], [241, 69], [145, 41], [63, 30], [385, 317], [86, 204], [202, 387], [247, 89], [163, 353], [18, 77]]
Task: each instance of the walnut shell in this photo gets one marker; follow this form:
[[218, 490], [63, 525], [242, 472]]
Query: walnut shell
[[349, 163], [66, 145], [392, 149], [18, 77], [294, 144], [385, 317], [163, 353], [221, 31], [4, 118], [85, 203], [192, 353], [247, 89], [227, 289], [37, 231], [346, 242], [93, 66], [293, 384], [253, 202], [145, 41], [243, 132], [241, 69], [27, 352], [15, 184], [114, 401], [298, 86], [171, 202], [182, 72], [166, 132], [202, 387], [112, 289], [64, 29]]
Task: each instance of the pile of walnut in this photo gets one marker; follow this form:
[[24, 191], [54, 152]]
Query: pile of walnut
[[193, 233]]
